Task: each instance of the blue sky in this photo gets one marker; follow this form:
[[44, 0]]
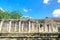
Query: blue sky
[[33, 8]]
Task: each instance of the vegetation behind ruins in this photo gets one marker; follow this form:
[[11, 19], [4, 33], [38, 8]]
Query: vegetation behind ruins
[[10, 15]]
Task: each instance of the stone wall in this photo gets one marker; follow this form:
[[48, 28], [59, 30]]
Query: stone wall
[[27, 25]]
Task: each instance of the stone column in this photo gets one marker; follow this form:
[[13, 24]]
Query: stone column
[[46, 27], [15, 27], [29, 26], [56, 28], [22, 26], [52, 27], [1, 25], [49, 28], [19, 25], [42, 29], [10, 25], [7, 26], [33, 27], [39, 27]]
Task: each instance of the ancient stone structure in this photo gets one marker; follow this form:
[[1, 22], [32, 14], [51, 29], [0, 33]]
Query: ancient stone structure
[[28, 25]]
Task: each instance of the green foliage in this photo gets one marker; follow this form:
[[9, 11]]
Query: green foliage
[[10, 15], [16, 15], [41, 24], [6, 15], [1, 14]]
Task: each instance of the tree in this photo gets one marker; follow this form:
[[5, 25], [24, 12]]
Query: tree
[[16, 15], [10, 15], [4, 15], [1, 15]]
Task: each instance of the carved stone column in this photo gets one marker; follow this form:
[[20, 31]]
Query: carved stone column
[[15, 27], [49, 28], [22, 26], [1, 24], [56, 28], [10, 25], [39, 27], [33, 27], [29, 26], [52, 27], [7, 26], [19, 25], [46, 27]]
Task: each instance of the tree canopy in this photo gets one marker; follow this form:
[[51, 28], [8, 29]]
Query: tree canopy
[[10, 15], [16, 15]]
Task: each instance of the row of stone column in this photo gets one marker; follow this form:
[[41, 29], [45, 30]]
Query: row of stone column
[[21, 26], [48, 27], [51, 27]]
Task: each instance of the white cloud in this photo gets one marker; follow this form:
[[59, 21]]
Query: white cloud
[[45, 1], [2, 9], [58, 1], [25, 10], [56, 12]]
